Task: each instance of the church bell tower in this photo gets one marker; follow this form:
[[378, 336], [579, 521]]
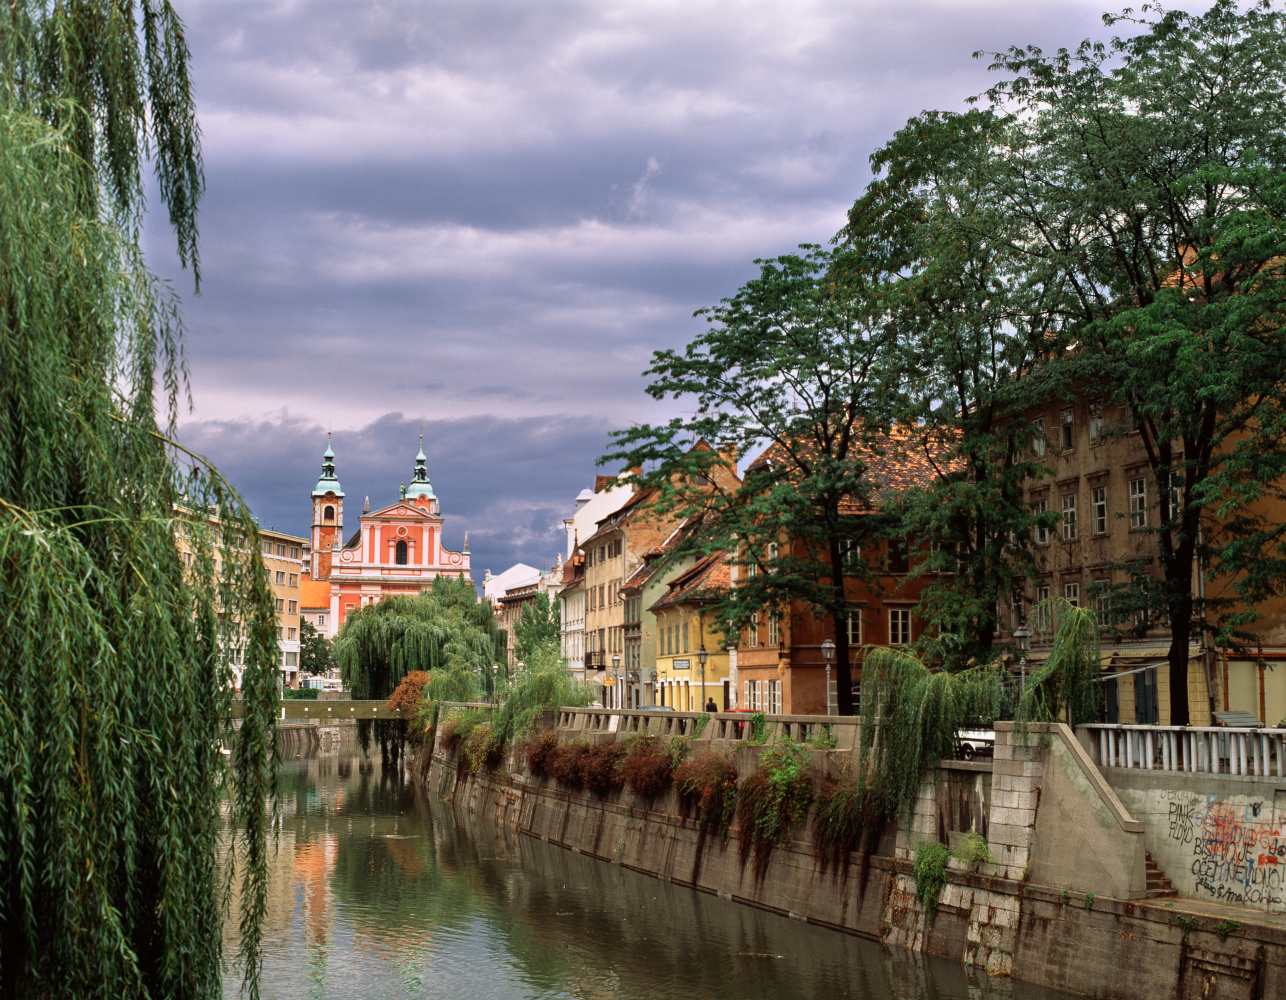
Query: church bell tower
[[328, 516]]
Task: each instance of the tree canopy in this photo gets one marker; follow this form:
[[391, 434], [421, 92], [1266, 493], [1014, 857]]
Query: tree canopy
[[1144, 180], [538, 626], [794, 363], [117, 648]]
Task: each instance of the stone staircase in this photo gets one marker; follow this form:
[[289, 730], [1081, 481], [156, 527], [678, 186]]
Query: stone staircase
[[1158, 886]]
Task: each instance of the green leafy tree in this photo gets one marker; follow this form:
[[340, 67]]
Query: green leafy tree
[[117, 646], [538, 626], [967, 330], [792, 363], [315, 653], [1145, 181]]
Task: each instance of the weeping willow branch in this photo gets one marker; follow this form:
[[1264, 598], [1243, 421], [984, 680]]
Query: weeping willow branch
[[910, 718], [1065, 684], [128, 583]]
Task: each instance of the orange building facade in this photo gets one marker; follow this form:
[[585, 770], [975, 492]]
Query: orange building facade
[[398, 549]]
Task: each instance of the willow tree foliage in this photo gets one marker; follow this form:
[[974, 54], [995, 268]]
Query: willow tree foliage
[[1068, 684], [1147, 178], [911, 716], [542, 683], [793, 365], [116, 645], [445, 628]]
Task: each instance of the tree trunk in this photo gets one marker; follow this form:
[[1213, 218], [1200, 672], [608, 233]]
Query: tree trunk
[[1180, 634], [839, 622]]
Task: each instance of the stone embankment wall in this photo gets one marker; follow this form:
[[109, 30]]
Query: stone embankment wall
[[1221, 838], [1058, 905]]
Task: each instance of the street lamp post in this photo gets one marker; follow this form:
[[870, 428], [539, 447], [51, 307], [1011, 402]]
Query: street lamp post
[[495, 679], [702, 656], [620, 682], [828, 654], [1021, 638]]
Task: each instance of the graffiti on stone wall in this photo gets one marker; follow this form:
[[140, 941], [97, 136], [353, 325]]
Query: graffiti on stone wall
[[1238, 848]]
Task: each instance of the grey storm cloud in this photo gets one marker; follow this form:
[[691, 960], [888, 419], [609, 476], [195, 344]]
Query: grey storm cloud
[[486, 217]]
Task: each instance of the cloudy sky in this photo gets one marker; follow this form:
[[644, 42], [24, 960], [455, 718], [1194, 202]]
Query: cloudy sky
[[480, 219]]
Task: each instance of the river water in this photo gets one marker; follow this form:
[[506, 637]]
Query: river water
[[378, 892]]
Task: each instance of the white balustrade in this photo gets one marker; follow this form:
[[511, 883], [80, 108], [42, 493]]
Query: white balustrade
[[1195, 749]]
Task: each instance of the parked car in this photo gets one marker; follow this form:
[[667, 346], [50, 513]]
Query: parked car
[[973, 743]]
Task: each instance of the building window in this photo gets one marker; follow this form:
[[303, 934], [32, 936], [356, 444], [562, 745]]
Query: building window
[[293, 607], [751, 567], [602, 595], [775, 688], [281, 577], [774, 629], [1138, 503], [1038, 437], [754, 629], [1041, 529], [294, 579], [267, 547], [772, 552], [1103, 601], [1072, 594], [1096, 425], [1042, 608], [290, 634], [280, 605], [854, 627], [1069, 517], [850, 553], [292, 659], [281, 551], [328, 513], [897, 560], [1098, 499], [294, 552], [685, 635], [899, 626], [399, 553], [1067, 429]]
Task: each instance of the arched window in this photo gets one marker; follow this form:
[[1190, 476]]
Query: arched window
[[400, 554], [328, 513]]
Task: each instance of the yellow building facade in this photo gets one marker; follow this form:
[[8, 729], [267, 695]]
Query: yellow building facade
[[692, 661]]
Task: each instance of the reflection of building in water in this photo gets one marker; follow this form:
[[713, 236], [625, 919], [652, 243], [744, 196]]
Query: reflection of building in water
[[313, 863]]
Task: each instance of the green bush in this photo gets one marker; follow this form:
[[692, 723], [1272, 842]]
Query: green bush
[[483, 749], [772, 801], [930, 875], [822, 738], [973, 850], [301, 694]]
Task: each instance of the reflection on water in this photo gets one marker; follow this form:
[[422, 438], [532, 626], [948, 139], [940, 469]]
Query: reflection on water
[[378, 892]]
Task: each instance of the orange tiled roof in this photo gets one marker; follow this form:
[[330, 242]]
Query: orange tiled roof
[[313, 593]]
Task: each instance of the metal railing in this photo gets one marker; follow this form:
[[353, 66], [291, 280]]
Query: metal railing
[[1194, 749]]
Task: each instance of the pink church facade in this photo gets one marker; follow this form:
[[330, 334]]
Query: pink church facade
[[397, 549]]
